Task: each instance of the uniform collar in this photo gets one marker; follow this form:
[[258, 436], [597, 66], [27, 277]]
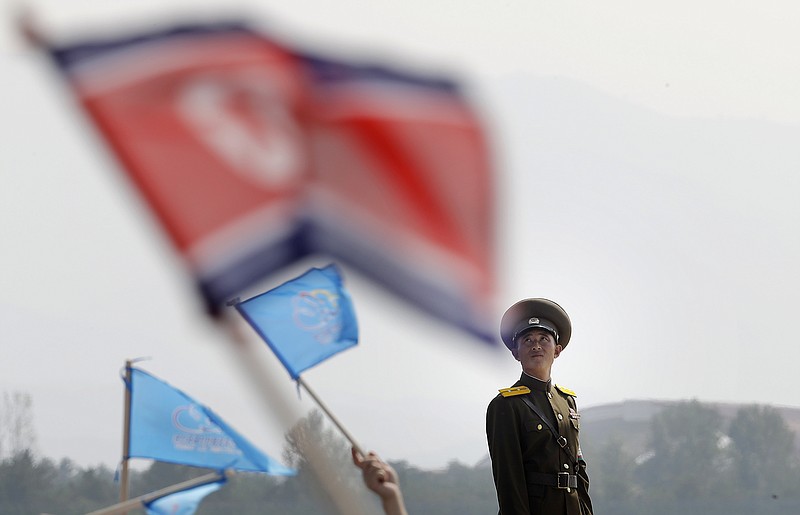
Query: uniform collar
[[536, 384]]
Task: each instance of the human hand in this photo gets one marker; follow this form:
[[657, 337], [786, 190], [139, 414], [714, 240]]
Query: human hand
[[378, 475]]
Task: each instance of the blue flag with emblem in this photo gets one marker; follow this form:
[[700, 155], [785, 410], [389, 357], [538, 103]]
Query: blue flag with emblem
[[184, 502], [306, 320], [168, 425]]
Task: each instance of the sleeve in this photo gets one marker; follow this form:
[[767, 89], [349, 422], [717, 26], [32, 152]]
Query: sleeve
[[503, 437], [583, 480]]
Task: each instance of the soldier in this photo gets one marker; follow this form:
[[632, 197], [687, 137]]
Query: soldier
[[532, 428]]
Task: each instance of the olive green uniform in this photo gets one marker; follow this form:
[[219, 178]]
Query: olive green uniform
[[526, 458]]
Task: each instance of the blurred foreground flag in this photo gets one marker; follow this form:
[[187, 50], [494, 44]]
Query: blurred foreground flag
[[254, 155], [168, 425], [306, 320], [184, 502]]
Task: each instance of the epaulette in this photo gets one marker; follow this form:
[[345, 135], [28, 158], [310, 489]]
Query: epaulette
[[514, 390], [566, 390]]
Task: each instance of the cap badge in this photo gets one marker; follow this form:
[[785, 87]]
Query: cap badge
[[533, 320]]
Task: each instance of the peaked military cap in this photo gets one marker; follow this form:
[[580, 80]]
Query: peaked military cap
[[530, 313]]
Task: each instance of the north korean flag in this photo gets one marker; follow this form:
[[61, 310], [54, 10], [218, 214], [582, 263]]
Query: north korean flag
[[253, 154]]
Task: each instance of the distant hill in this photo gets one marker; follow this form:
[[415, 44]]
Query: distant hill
[[629, 422]]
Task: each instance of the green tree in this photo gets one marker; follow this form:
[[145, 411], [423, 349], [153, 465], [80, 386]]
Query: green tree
[[17, 432], [18, 481], [686, 455], [249, 494], [612, 472], [763, 451], [456, 490], [84, 490], [312, 435]]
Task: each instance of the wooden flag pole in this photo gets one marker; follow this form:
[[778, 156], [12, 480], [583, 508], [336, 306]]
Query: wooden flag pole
[[330, 415], [346, 500], [126, 435], [138, 502]]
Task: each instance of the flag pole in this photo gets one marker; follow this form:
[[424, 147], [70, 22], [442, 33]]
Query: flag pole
[[330, 415], [137, 502], [126, 435], [346, 500]]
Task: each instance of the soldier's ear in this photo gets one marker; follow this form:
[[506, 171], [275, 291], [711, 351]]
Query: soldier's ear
[[558, 350], [515, 353]]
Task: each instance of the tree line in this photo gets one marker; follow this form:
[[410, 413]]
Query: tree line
[[695, 462]]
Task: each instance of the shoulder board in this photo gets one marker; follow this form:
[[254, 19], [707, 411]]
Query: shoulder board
[[566, 390], [516, 390]]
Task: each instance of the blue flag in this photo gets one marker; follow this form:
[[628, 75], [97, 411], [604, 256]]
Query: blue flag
[[168, 425], [305, 320], [184, 502]]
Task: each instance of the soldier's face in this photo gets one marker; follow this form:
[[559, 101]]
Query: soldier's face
[[536, 351]]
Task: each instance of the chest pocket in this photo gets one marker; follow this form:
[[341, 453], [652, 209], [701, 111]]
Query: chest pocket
[[537, 433], [535, 425]]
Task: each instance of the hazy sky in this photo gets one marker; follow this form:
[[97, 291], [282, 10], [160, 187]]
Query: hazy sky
[[647, 156]]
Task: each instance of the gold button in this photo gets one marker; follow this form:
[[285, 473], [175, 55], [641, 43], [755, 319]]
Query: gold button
[[566, 466], [560, 417], [539, 427], [569, 489]]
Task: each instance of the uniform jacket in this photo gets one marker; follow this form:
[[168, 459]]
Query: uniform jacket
[[521, 447]]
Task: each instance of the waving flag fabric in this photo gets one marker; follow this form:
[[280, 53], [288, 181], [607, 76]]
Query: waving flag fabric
[[306, 320], [168, 425], [184, 502], [253, 155]]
